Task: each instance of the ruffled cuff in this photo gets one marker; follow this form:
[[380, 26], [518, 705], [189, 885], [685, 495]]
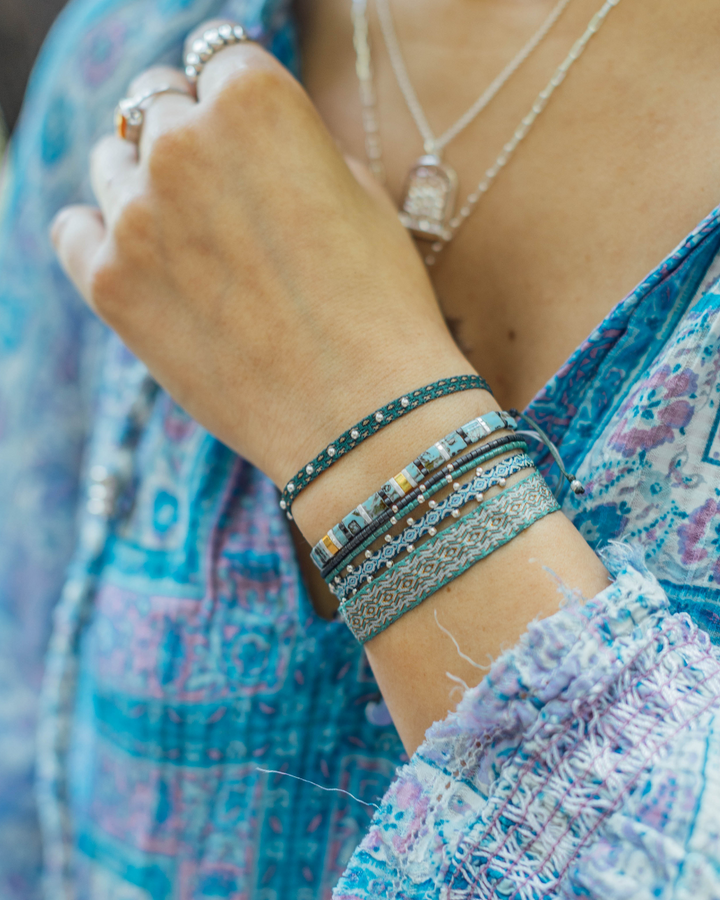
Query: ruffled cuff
[[515, 787]]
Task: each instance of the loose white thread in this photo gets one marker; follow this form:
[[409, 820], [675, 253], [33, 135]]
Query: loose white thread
[[314, 784], [457, 647]]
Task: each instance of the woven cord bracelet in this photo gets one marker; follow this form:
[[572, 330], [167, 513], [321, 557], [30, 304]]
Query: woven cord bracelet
[[445, 557], [371, 424], [399, 486], [385, 556], [419, 495]]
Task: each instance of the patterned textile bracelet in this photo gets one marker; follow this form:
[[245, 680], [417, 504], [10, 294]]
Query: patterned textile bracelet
[[384, 557], [398, 487], [371, 425], [420, 495], [446, 556]]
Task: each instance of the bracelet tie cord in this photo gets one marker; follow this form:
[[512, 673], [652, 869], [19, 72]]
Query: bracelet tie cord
[[371, 424], [446, 556]]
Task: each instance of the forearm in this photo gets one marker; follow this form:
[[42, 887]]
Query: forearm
[[485, 609]]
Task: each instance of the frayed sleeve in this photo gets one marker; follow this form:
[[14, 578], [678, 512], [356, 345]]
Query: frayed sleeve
[[586, 764]]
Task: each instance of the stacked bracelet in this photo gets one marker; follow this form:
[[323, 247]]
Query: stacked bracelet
[[446, 556], [398, 487], [427, 525], [371, 425], [419, 495]]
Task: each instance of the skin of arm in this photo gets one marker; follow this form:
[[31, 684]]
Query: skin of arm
[[276, 297]]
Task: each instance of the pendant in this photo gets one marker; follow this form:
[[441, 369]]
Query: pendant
[[429, 199]]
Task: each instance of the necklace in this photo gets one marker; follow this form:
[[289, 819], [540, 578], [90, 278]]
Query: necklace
[[428, 206]]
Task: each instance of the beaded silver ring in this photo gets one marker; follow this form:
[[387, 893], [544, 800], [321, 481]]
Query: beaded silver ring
[[208, 44]]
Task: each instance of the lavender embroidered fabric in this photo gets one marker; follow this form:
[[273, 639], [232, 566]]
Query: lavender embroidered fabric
[[585, 765]]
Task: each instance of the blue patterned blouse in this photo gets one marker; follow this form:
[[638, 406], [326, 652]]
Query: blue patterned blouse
[[201, 732]]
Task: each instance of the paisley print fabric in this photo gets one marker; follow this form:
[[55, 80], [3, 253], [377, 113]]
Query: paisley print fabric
[[201, 732]]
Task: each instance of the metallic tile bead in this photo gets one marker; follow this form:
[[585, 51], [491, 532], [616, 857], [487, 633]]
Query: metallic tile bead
[[291, 487], [479, 471], [368, 554], [432, 532], [331, 451], [379, 417], [349, 568], [479, 497], [337, 579], [450, 467], [448, 478], [309, 468], [421, 498], [456, 486], [388, 564], [423, 488], [455, 513], [388, 538], [393, 520], [283, 504], [354, 434], [411, 521], [432, 504], [394, 508], [502, 482], [289, 515], [410, 548], [404, 402]]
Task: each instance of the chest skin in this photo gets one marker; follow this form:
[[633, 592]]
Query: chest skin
[[622, 164]]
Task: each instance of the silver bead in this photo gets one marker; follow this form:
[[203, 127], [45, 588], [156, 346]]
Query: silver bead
[[289, 515], [192, 59], [421, 498], [213, 38], [456, 486], [423, 488], [203, 49], [502, 482], [411, 521], [479, 471], [354, 434], [410, 548], [455, 513], [479, 497], [388, 538], [337, 579], [379, 417], [283, 504], [394, 508], [98, 473], [226, 33], [432, 532], [191, 73], [368, 554], [309, 469], [393, 520], [291, 487], [432, 504], [349, 569], [450, 467], [448, 478], [577, 486], [404, 402], [240, 33], [388, 564], [331, 451]]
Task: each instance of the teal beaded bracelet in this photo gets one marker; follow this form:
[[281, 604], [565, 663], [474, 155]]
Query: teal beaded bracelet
[[371, 424]]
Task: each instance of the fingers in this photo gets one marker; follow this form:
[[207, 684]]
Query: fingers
[[78, 234], [165, 111], [113, 162]]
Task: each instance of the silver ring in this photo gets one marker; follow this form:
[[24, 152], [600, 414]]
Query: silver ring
[[211, 42], [130, 113]]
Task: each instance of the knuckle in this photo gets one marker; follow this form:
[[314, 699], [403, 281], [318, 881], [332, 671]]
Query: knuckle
[[169, 155], [256, 90]]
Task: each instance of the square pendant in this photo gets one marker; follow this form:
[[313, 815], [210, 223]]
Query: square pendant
[[429, 199]]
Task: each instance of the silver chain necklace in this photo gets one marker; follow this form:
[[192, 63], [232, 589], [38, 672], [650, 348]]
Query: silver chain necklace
[[428, 207]]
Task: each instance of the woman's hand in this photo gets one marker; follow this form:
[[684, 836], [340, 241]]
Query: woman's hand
[[270, 289]]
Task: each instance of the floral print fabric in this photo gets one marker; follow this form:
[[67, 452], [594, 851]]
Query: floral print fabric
[[186, 667]]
